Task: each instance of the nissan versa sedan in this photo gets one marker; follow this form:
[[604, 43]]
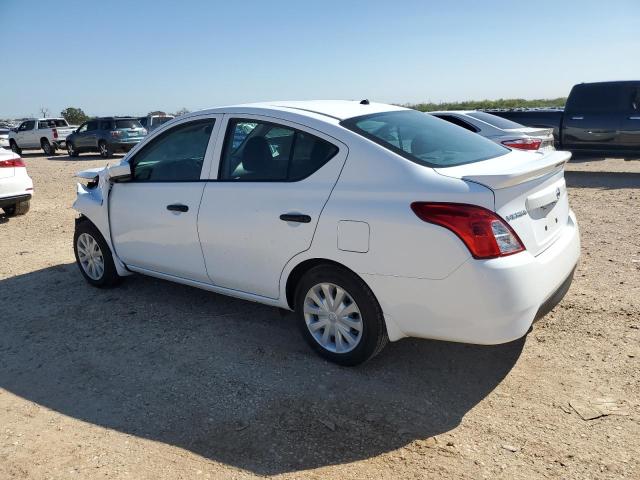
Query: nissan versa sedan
[[372, 222]]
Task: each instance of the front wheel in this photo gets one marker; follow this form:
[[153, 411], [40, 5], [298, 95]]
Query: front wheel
[[15, 148], [71, 150], [339, 316], [93, 256]]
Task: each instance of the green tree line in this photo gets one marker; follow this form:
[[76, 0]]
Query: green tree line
[[484, 104]]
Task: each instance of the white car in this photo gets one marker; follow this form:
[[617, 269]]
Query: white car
[[48, 134], [372, 222], [4, 138], [16, 187]]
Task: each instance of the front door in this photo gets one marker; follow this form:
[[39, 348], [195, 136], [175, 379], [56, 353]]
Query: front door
[[273, 182], [154, 216], [26, 134]]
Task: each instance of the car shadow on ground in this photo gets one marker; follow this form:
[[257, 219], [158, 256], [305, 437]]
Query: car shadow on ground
[[604, 180], [227, 379]]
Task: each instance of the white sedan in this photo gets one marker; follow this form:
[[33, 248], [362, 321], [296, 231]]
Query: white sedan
[[16, 186], [372, 222]]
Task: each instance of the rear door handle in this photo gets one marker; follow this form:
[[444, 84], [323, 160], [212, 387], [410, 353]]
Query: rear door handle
[[577, 118], [177, 207], [634, 118], [295, 217]]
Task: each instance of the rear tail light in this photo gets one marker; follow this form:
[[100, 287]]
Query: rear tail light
[[116, 133], [484, 233], [55, 132], [523, 143], [15, 162]]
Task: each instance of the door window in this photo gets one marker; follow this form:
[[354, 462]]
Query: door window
[[175, 156], [43, 124], [83, 128], [264, 151], [93, 125], [27, 126], [105, 125], [595, 98]]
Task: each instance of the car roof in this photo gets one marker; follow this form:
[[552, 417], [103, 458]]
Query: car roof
[[332, 111]]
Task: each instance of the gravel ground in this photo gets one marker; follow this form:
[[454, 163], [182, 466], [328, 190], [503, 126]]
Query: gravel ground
[[157, 380]]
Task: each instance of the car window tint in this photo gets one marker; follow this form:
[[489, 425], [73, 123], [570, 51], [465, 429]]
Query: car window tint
[[83, 128], [105, 125], [92, 126], [143, 122], [264, 151], [424, 139], [596, 98], [175, 156], [29, 125], [458, 121], [128, 124], [495, 120]]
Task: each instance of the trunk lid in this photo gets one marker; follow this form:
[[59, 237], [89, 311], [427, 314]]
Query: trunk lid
[[529, 190]]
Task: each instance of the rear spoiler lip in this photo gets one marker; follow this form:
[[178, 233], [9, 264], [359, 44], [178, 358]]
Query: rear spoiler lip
[[519, 173]]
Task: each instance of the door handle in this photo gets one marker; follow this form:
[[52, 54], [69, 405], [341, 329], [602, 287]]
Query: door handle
[[633, 117], [177, 207], [577, 118], [295, 217]]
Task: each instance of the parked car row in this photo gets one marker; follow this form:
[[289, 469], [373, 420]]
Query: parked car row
[[599, 118], [105, 135], [372, 222]]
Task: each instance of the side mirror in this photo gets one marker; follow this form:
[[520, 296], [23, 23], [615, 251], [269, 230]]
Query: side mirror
[[120, 172]]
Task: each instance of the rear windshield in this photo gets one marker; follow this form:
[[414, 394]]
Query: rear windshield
[[495, 120], [424, 139], [128, 124]]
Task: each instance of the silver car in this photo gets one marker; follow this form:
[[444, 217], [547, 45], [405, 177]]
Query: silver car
[[500, 130]]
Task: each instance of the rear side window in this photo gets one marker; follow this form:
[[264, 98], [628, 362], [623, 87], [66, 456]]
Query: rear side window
[[264, 151], [93, 125], [424, 139], [175, 156], [45, 124], [494, 120], [458, 121], [105, 125], [60, 123], [596, 98], [128, 124]]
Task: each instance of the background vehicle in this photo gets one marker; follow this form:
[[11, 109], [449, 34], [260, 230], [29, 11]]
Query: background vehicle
[[47, 134], [601, 117], [500, 130], [16, 187], [371, 221], [4, 138], [151, 122], [106, 136]]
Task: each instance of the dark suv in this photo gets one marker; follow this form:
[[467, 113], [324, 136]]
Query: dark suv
[[106, 136]]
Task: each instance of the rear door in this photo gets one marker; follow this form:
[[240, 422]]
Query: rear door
[[592, 118], [630, 128], [90, 137], [273, 181], [154, 216]]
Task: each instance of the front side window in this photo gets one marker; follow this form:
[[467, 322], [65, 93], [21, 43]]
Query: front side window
[[264, 151], [28, 125], [93, 125], [175, 156], [595, 98], [105, 125], [424, 139]]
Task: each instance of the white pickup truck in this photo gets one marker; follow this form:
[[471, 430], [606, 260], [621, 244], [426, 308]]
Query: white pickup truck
[[47, 134]]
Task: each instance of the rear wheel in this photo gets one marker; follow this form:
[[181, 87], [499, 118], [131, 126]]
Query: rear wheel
[[71, 150], [339, 316], [19, 208], [49, 149], [14, 147], [105, 150], [93, 256]]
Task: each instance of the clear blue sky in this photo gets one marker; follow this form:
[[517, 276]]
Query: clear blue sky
[[133, 56]]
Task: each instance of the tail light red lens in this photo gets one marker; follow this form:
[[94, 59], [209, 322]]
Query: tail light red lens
[[484, 233], [116, 133], [523, 143], [55, 132], [15, 162]]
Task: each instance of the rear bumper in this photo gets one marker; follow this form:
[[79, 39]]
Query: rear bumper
[[7, 201], [125, 145], [483, 301]]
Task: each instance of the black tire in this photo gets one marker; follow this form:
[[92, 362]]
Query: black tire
[[14, 147], [48, 148], [110, 277], [71, 150], [19, 208], [374, 332], [106, 151]]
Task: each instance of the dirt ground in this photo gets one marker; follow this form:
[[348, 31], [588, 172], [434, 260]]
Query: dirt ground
[[156, 380]]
